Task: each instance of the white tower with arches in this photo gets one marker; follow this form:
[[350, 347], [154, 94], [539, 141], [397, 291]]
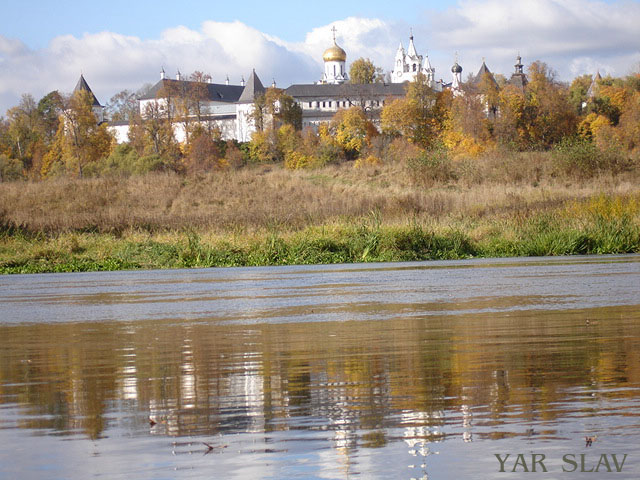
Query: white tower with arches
[[408, 64]]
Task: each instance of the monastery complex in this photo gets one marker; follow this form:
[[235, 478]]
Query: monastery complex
[[229, 107]]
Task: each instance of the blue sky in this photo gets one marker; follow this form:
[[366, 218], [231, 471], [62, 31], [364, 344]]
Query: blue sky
[[37, 22], [45, 45]]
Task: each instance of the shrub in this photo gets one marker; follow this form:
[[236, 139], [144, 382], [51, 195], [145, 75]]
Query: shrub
[[582, 158], [431, 166], [295, 160], [10, 169], [151, 163], [233, 156]]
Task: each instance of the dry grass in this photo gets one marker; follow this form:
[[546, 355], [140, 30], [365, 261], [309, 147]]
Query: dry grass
[[272, 198]]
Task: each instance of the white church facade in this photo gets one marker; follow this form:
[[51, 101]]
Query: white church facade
[[408, 64]]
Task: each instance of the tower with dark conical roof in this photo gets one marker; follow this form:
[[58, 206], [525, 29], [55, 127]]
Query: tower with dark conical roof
[[484, 73], [594, 88], [245, 106], [252, 89], [83, 86]]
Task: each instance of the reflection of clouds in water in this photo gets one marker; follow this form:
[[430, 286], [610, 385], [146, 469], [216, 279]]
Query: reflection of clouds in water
[[467, 416], [246, 394]]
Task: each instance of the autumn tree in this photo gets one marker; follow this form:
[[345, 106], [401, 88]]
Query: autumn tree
[[28, 131], [467, 129], [166, 98], [81, 139], [352, 131], [398, 118], [364, 71], [550, 115], [578, 92], [274, 108], [195, 94], [415, 116], [122, 106], [154, 132], [538, 117], [610, 100], [510, 128], [204, 152]]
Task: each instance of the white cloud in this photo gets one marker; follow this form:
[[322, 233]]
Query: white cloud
[[558, 32], [572, 36], [112, 62]]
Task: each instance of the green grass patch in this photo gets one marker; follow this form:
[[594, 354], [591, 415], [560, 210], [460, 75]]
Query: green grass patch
[[601, 226]]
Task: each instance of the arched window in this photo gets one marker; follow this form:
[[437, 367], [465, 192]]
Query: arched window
[[414, 67]]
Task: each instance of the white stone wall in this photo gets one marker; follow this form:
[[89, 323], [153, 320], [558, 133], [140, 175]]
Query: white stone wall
[[120, 132], [245, 125]]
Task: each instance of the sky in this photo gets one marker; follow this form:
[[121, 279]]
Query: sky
[[117, 45]]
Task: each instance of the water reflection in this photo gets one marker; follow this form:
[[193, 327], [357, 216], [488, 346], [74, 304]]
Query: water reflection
[[317, 399], [481, 373]]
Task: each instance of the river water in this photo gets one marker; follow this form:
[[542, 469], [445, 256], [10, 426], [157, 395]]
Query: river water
[[407, 370]]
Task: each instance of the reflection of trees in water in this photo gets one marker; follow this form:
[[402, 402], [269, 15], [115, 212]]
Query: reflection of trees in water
[[481, 376]]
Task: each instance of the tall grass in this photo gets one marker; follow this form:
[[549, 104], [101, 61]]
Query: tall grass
[[263, 197], [547, 233], [267, 215]]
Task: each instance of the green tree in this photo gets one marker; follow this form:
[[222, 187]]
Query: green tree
[[578, 92], [23, 127], [364, 71], [49, 110], [10, 168]]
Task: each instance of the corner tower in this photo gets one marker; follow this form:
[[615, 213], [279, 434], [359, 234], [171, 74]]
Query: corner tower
[[98, 109]]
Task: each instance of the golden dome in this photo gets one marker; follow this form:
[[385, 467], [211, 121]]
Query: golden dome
[[334, 54]]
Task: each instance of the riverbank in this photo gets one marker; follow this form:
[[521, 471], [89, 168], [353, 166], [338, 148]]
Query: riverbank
[[271, 216]]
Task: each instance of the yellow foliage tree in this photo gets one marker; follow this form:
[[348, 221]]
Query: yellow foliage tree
[[83, 139], [352, 130], [592, 124], [398, 118]]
